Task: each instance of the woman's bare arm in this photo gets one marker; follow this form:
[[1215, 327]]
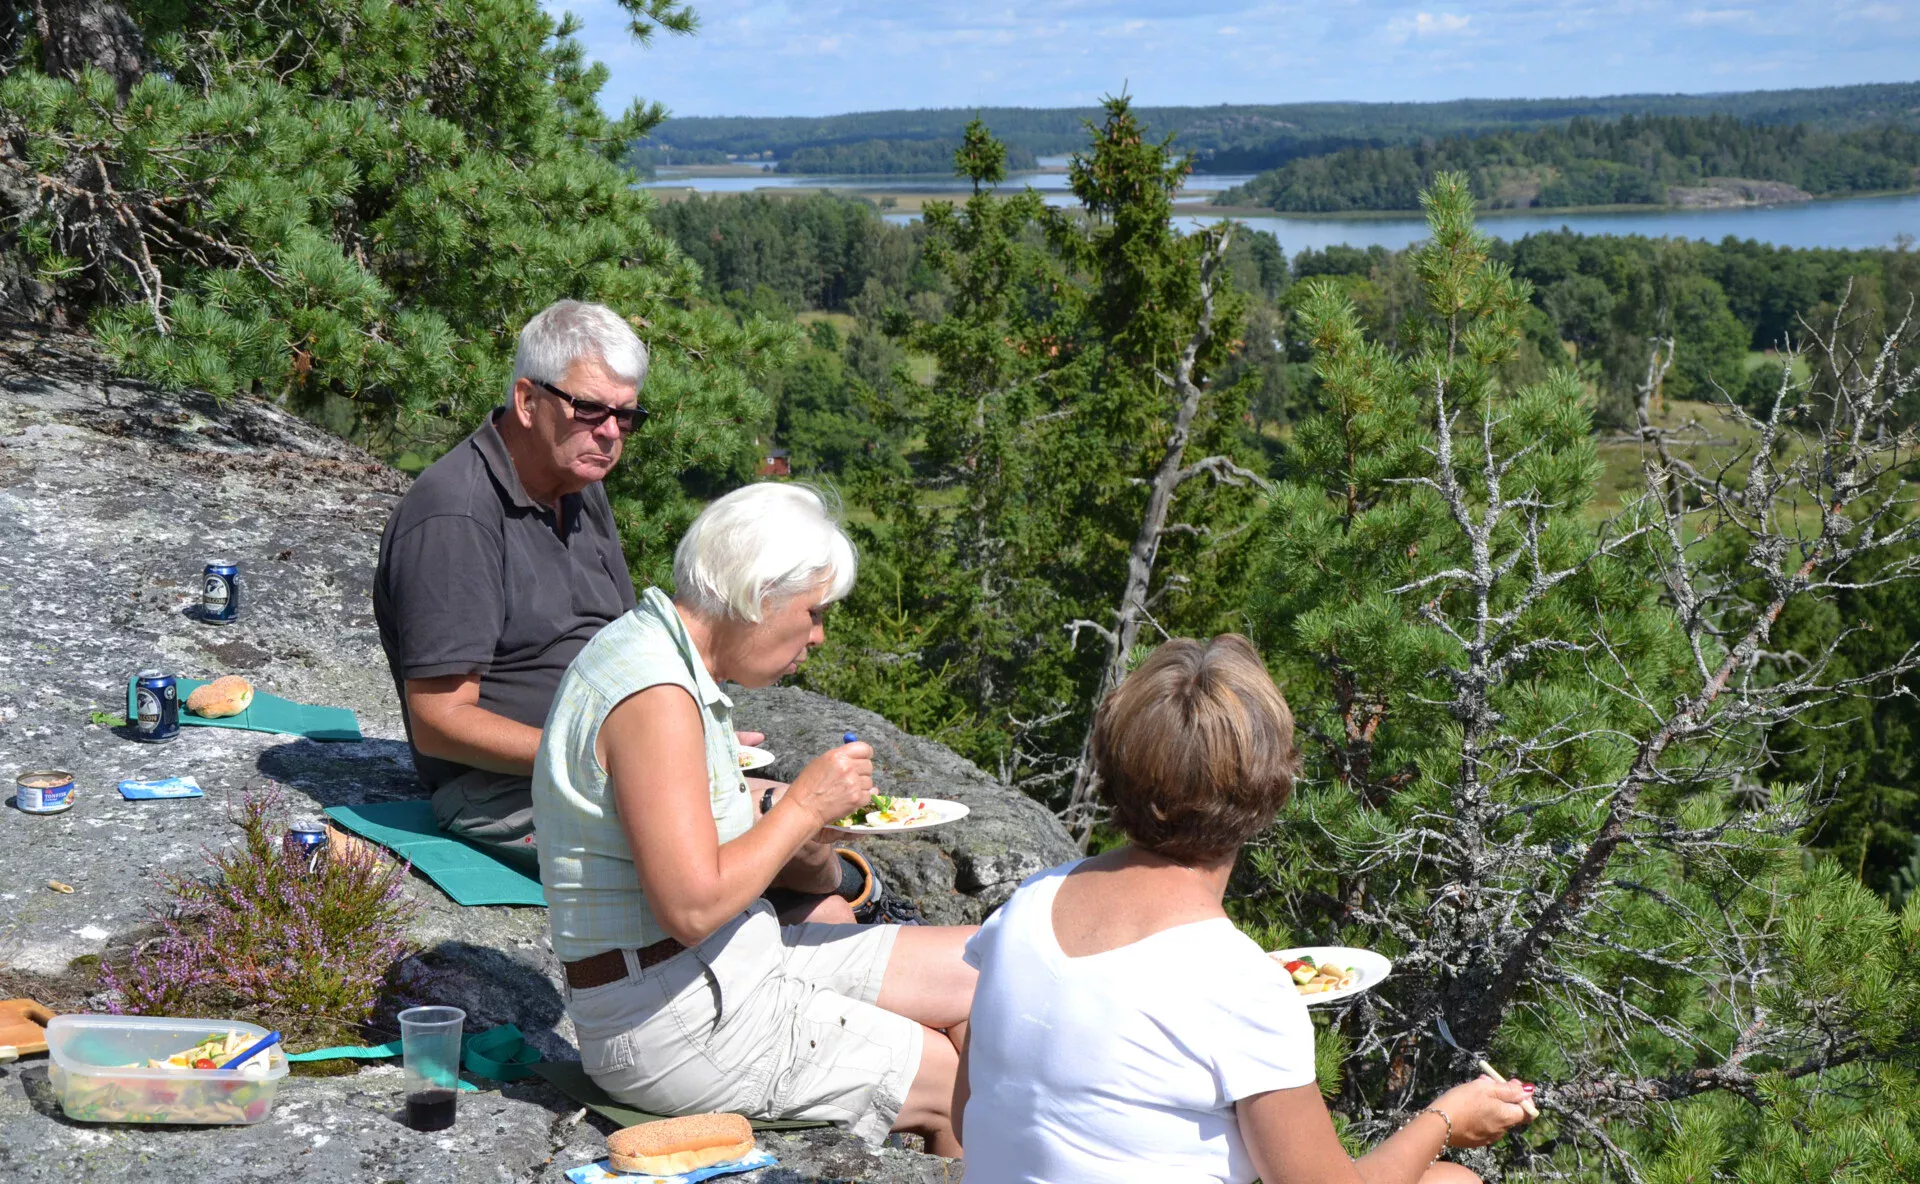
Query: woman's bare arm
[[1291, 1139], [1290, 1135], [654, 752]]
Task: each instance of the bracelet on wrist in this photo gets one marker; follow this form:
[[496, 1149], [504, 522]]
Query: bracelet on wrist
[[1445, 1142]]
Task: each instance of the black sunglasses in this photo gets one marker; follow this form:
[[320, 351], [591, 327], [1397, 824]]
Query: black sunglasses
[[593, 414]]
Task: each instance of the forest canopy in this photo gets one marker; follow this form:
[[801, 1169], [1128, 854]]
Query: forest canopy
[[1248, 137], [1635, 160], [887, 156]]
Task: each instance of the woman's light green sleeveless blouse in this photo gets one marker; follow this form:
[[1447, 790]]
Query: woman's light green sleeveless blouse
[[586, 868]]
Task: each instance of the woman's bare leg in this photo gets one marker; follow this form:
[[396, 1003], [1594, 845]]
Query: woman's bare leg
[[822, 910], [926, 979], [929, 1108], [1449, 1173]]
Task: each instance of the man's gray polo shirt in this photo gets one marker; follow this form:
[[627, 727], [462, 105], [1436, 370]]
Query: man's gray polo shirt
[[474, 579]]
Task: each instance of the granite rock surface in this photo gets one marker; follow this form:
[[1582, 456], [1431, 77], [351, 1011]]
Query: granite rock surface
[[112, 495]]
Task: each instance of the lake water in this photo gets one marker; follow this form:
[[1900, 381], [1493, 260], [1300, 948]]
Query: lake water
[[1052, 185], [1853, 223]]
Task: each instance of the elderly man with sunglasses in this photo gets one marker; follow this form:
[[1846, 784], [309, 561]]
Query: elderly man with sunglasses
[[501, 562]]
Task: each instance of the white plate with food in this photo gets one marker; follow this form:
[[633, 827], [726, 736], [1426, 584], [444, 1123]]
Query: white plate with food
[[752, 758], [886, 814], [1323, 974]]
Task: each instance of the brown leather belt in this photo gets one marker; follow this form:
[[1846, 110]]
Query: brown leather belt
[[611, 966]]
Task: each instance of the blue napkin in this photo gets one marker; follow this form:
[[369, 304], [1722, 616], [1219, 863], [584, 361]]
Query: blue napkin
[[600, 1173], [166, 787]]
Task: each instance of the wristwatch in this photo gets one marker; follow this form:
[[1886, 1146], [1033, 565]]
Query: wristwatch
[[766, 800]]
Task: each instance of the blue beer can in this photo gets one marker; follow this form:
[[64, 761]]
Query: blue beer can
[[220, 598], [306, 843], [156, 706]]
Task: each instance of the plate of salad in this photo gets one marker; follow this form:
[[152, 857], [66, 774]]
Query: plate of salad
[[888, 813], [755, 758], [1323, 974]]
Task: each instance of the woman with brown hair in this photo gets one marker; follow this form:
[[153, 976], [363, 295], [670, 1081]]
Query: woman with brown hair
[[1122, 1028]]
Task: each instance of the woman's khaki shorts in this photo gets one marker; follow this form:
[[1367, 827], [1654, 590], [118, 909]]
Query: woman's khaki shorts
[[759, 1020]]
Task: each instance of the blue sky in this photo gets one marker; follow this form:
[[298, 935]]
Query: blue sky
[[778, 57]]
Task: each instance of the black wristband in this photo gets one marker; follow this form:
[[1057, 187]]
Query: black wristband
[[766, 800]]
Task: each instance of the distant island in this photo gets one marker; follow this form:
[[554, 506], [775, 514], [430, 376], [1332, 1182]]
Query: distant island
[[1686, 161], [1242, 137]]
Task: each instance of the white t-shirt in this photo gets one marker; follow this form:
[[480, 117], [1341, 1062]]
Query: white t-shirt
[[1123, 1065]]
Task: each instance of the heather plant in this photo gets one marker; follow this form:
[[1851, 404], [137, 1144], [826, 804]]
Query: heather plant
[[303, 950]]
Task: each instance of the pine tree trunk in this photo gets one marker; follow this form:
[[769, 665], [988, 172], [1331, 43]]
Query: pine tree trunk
[[75, 34], [1131, 612]]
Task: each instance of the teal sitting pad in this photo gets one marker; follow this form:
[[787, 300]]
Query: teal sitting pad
[[461, 870], [570, 1078], [267, 713]]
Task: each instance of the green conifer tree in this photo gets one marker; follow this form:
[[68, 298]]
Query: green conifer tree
[[1074, 358], [981, 159], [352, 204], [1526, 732]]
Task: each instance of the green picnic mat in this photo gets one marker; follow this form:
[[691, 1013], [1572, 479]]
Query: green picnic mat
[[365, 1052], [461, 870], [499, 1053], [570, 1078], [267, 713]]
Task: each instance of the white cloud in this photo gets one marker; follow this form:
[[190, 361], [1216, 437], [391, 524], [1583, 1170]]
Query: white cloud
[[1428, 24], [1701, 18], [779, 57]]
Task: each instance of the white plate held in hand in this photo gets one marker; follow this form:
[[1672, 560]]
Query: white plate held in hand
[[1371, 968], [752, 758], [940, 812]]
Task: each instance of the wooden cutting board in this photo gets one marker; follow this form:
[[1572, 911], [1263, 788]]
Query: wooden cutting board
[[23, 1024]]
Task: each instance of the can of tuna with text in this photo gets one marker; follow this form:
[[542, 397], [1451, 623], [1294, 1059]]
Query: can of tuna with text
[[156, 706], [43, 791], [220, 595]]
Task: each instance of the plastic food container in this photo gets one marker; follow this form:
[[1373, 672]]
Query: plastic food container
[[89, 1055]]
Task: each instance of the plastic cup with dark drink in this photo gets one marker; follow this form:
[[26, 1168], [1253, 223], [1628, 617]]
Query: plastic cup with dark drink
[[430, 1047]]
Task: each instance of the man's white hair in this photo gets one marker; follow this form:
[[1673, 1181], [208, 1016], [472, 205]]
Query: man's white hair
[[568, 330], [757, 548]]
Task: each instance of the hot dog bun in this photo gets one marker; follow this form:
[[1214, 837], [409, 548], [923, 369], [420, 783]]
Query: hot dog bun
[[675, 1145], [221, 697]]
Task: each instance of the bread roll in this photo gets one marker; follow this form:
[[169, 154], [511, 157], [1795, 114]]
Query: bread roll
[[675, 1145], [221, 697]]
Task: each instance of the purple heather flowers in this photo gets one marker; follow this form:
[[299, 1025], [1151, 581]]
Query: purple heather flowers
[[265, 939]]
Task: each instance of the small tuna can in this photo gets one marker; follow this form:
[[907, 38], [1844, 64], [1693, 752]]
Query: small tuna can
[[44, 791], [306, 842], [220, 595], [156, 706]]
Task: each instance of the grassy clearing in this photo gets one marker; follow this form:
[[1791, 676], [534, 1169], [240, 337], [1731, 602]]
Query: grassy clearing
[[1756, 358], [1715, 441], [1704, 436], [843, 322]]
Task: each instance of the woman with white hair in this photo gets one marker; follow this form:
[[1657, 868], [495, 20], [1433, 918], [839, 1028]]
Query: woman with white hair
[[684, 989]]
